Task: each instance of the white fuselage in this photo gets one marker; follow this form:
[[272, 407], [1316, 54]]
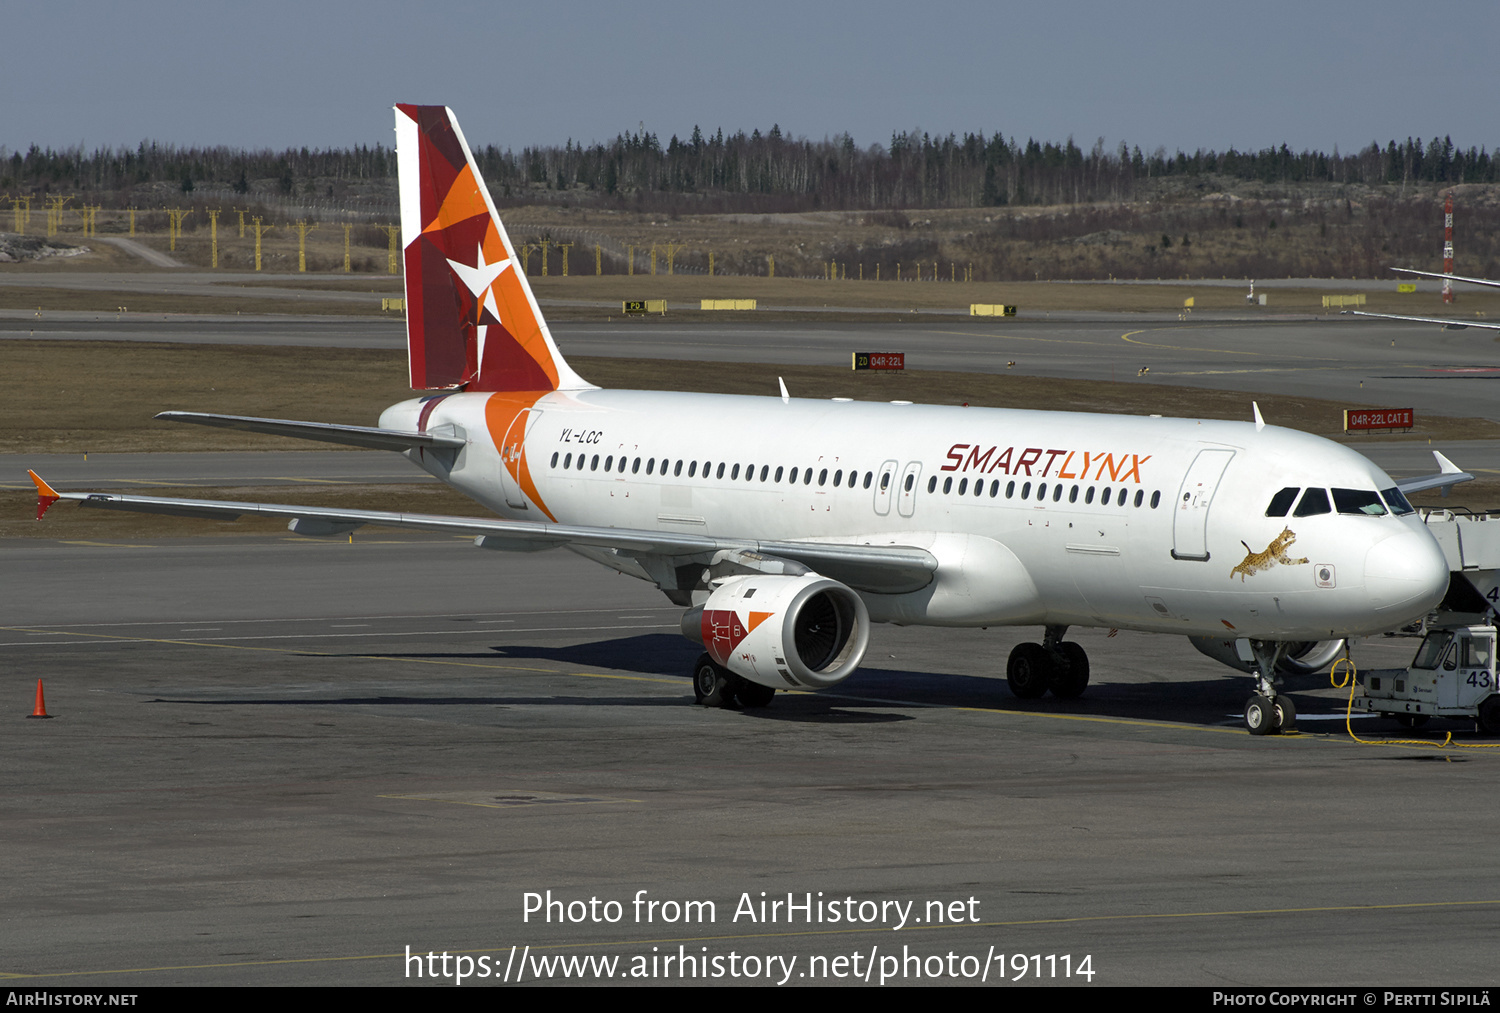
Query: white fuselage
[[1042, 518]]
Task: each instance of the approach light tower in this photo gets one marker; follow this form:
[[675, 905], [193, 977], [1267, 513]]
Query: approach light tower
[[1448, 247]]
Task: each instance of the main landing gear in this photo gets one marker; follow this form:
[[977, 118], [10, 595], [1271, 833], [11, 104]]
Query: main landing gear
[[1268, 712], [1053, 665], [716, 686]]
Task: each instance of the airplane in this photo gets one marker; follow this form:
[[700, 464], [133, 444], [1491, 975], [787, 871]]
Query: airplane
[[785, 527], [1448, 323]]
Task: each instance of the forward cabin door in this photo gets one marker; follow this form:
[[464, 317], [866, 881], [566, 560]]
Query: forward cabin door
[[1190, 518]]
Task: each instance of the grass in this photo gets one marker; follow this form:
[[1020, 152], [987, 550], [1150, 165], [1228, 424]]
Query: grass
[[74, 397]]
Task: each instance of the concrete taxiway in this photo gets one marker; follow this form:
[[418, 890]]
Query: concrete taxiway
[[286, 761]]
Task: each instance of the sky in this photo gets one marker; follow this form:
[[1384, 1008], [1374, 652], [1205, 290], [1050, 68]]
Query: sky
[[1179, 75]]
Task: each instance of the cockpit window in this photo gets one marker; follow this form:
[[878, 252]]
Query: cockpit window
[[1282, 501], [1314, 501], [1358, 501], [1430, 654], [1396, 500]]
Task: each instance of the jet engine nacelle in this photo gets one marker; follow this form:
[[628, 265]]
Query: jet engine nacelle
[[802, 632], [1301, 657]]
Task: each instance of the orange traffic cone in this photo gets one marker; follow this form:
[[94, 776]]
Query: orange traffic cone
[[40, 711]]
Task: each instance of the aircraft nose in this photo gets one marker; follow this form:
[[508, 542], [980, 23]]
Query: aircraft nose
[[1406, 574]]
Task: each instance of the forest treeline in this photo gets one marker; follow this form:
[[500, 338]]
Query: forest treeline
[[749, 172]]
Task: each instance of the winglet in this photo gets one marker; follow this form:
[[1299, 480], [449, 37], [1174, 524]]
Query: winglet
[[1260, 423], [45, 494], [1446, 466], [785, 397]]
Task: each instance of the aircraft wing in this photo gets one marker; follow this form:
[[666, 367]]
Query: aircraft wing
[[1450, 277], [883, 569], [1447, 322], [324, 432], [1449, 474]]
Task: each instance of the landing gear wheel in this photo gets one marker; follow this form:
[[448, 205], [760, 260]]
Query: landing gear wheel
[[1489, 715], [711, 686], [1286, 714], [1027, 671], [1260, 716], [1410, 720], [1069, 679], [753, 694]]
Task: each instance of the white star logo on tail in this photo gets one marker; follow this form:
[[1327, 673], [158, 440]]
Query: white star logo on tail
[[480, 281]]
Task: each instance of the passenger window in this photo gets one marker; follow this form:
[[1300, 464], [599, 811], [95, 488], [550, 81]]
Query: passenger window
[[778, 473], [1358, 501], [692, 469], [868, 476], [994, 488], [609, 462], [720, 472], [963, 487], [677, 469], [947, 486], [567, 462], [807, 478], [1155, 498], [1057, 493], [765, 469], [1088, 495], [749, 473], [885, 480], [838, 478], [1104, 496], [594, 463], [1010, 489], [635, 466], [932, 484], [908, 481], [1025, 489], [823, 477], [735, 473], [1282, 501], [650, 464], [1140, 494], [1314, 502], [554, 459], [1041, 492]]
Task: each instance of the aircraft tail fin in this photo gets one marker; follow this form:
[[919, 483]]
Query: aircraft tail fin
[[472, 322]]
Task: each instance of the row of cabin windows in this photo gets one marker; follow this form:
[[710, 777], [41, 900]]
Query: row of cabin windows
[[1345, 501], [1121, 496], [653, 466]]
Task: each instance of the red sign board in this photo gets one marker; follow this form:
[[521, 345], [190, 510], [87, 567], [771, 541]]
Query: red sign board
[[1377, 418], [879, 360]]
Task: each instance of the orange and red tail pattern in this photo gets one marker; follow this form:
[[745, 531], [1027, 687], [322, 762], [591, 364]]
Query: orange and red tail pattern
[[471, 320]]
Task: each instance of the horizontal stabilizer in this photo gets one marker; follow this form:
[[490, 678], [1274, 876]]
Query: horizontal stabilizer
[[324, 432], [1446, 322], [1448, 277]]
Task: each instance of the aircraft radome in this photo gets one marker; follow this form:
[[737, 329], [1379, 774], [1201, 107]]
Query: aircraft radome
[[785, 526]]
